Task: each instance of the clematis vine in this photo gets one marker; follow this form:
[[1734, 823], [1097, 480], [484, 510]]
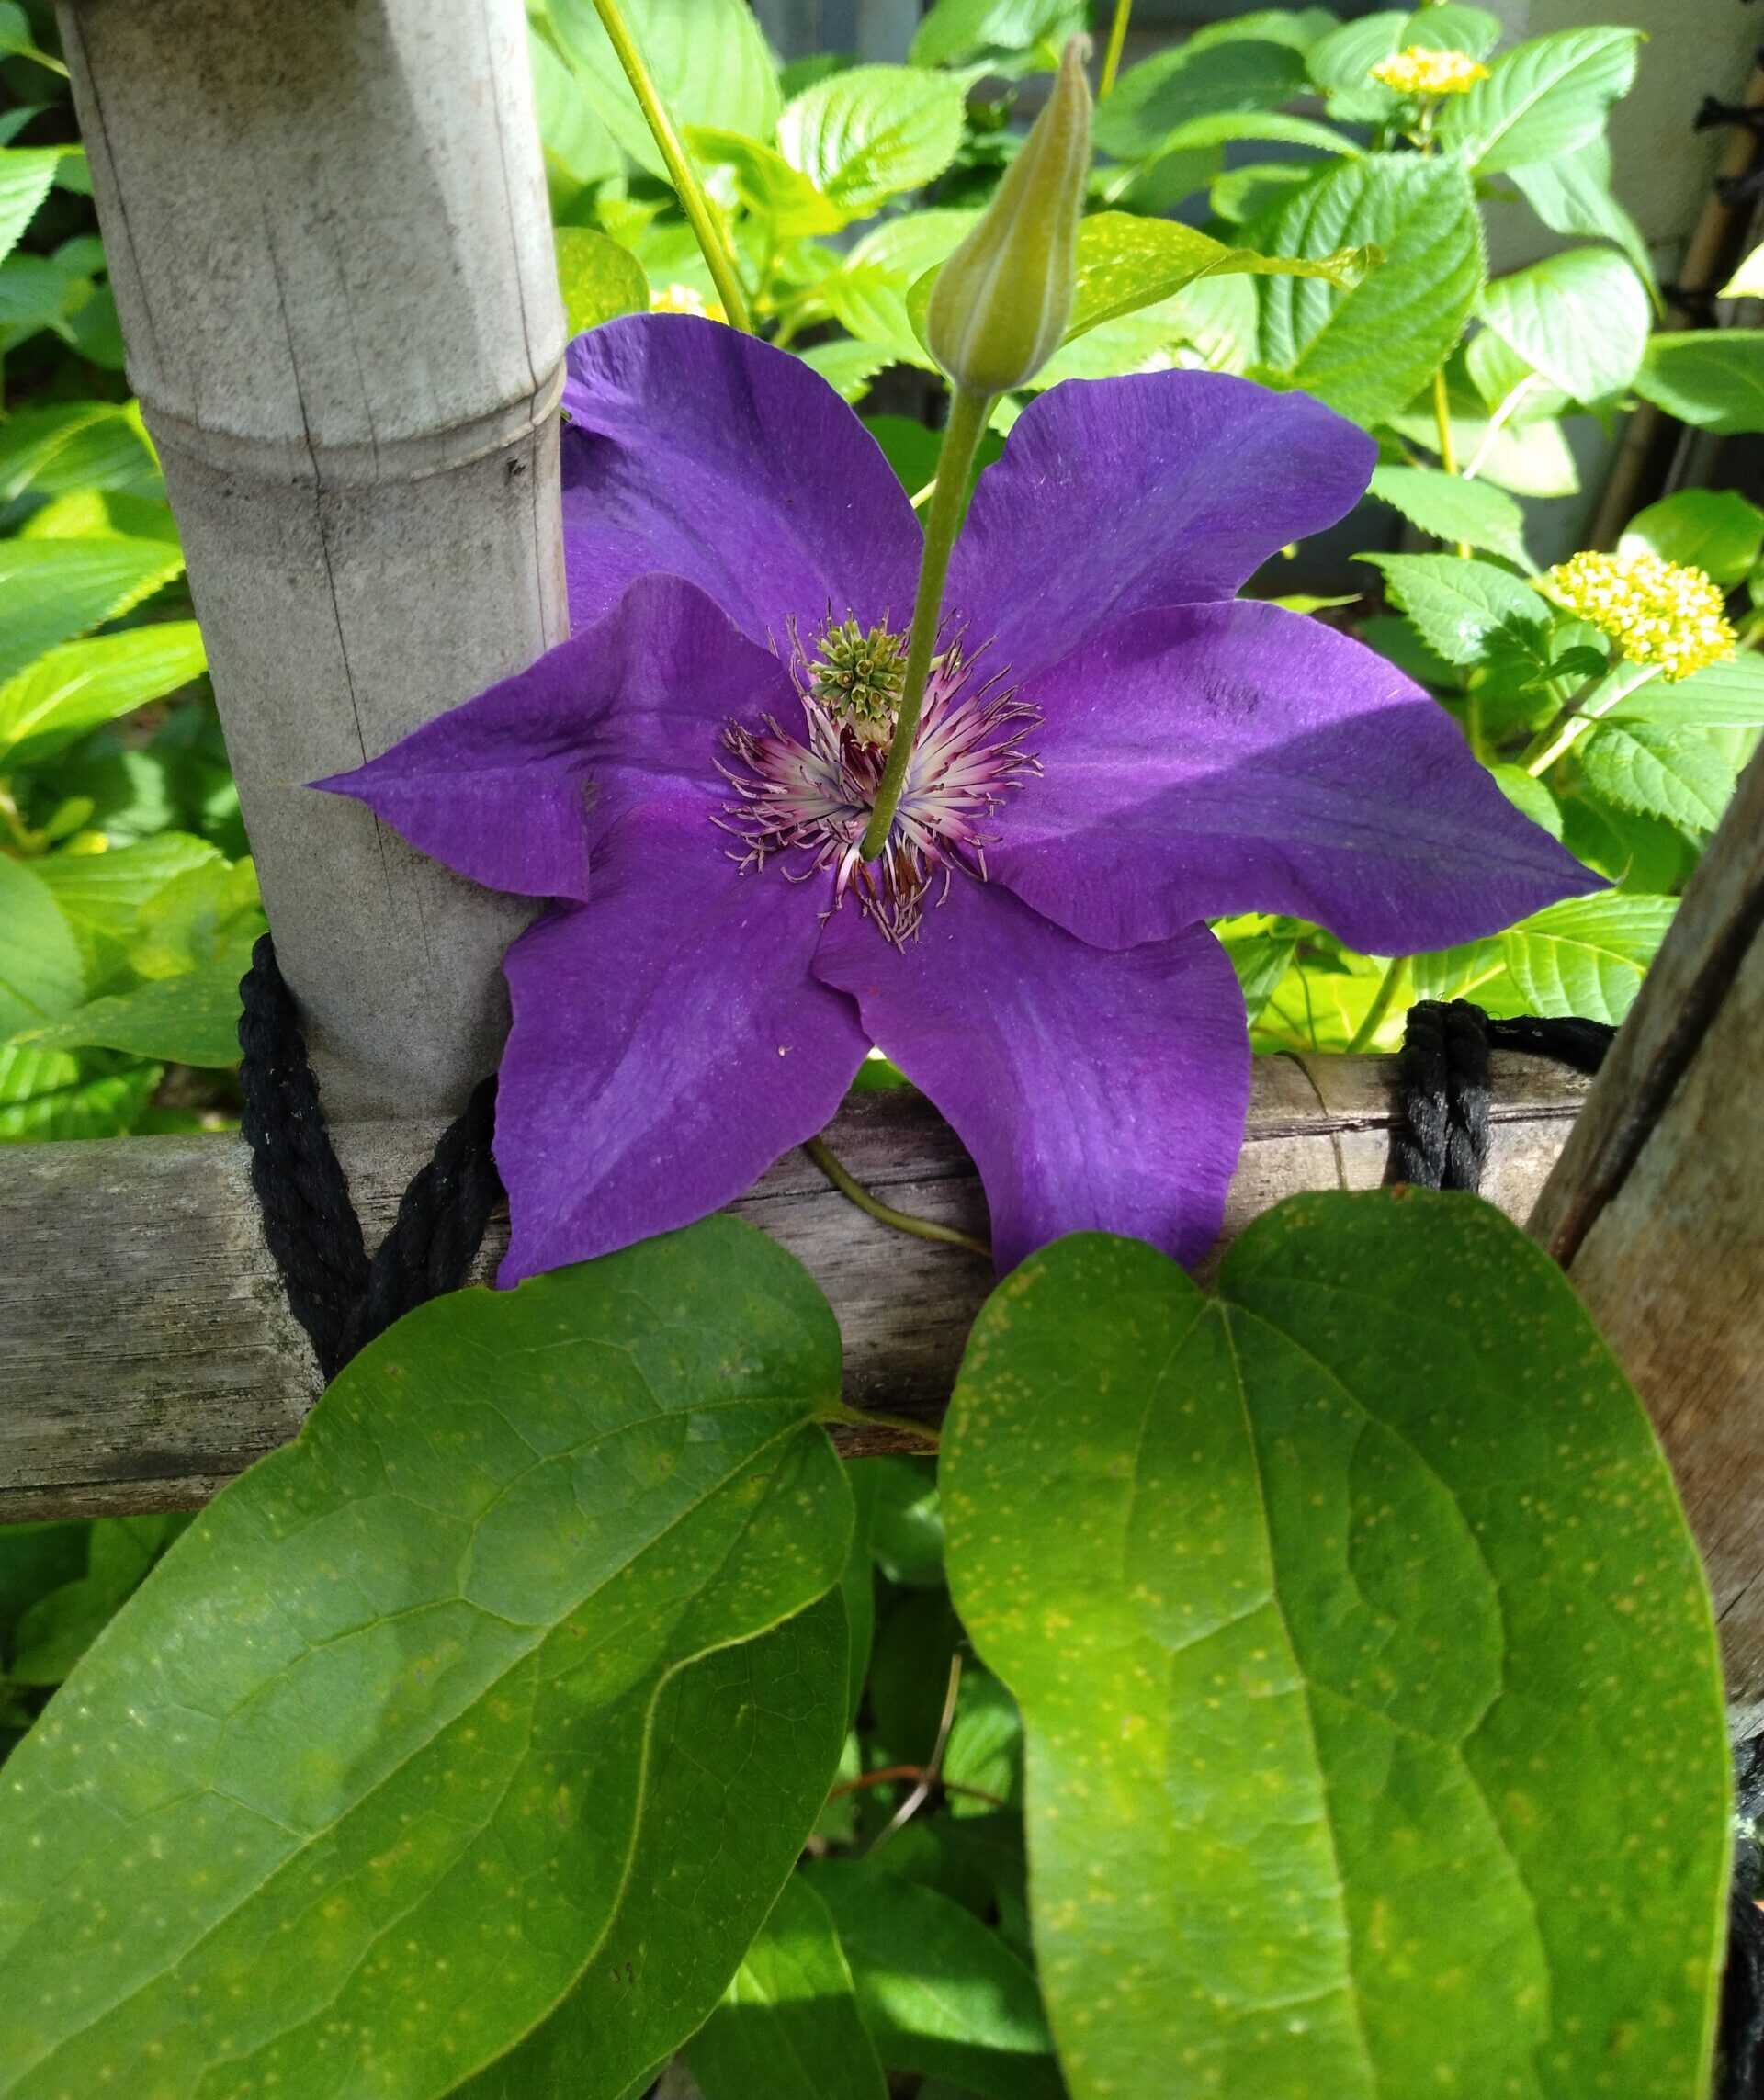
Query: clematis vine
[[1113, 748]]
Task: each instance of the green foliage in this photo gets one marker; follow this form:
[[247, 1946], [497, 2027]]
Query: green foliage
[[1586, 956], [1368, 351], [1579, 317], [599, 279], [1542, 99], [867, 135], [1280, 1580], [1447, 507], [440, 1633], [1712, 379], [789, 2024]]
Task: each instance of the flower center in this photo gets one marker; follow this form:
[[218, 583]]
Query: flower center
[[809, 797]]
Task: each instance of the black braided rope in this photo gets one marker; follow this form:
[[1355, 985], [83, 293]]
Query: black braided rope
[[1440, 1140], [339, 1297]]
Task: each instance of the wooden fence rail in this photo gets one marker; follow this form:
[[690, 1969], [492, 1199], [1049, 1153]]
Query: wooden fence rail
[[147, 1353]]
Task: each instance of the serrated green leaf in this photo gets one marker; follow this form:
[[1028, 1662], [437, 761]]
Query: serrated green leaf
[[1586, 956], [848, 367], [1004, 37], [46, 1096], [1716, 530], [709, 64], [767, 184], [1654, 771], [26, 173], [1579, 317], [745, 1740], [1448, 507], [599, 279], [1298, 27], [1572, 194], [437, 1632], [788, 2026], [1191, 80], [190, 1019], [74, 445], [1462, 607], [52, 590], [1725, 697], [939, 1992], [1127, 262], [40, 976], [1529, 797], [1711, 378], [1363, 1579], [1542, 99], [872, 133], [81, 685], [1451, 25], [102, 896], [1368, 351]]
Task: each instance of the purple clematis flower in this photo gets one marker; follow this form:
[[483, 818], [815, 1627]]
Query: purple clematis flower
[[1113, 750]]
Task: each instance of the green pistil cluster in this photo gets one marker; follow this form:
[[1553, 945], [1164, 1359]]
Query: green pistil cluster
[[857, 678]]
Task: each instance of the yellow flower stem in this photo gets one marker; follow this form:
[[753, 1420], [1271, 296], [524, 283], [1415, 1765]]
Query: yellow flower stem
[[848, 1185], [968, 416], [707, 229], [1396, 976], [1597, 697], [1112, 56]]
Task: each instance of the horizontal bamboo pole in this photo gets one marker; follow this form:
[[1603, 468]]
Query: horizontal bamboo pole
[[147, 1353]]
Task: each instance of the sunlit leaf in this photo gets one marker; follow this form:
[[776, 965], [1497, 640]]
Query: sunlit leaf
[[1587, 957], [1361, 1582], [1542, 99], [872, 133], [391, 1694], [1579, 317]]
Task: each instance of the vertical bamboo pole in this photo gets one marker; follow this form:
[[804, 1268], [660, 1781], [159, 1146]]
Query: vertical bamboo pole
[[329, 241]]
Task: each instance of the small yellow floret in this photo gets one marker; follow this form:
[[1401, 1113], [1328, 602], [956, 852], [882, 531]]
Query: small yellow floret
[[682, 299], [1418, 71], [1655, 611]]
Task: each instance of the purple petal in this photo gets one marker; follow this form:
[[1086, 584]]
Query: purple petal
[[670, 1042], [1096, 1090], [696, 450], [514, 788], [1163, 488], [1211, 758]]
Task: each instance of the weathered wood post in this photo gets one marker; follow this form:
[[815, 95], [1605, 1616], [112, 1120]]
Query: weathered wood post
[[329, 240], [1656, 1209]]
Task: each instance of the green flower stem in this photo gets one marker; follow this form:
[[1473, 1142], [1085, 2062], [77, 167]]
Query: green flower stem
[[1597, 696], [968, 416], [872, 1206], [837, 1415], [1112, 56], [1394, 978], [705, 226]]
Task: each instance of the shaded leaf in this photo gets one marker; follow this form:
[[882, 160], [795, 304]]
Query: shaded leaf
[[1002, 35], [438, 1633], [59, 1628], [102, 896], [191, 1019], [1725, 697], [40, 976], [939, 1992], [1194, 79], [1571, 193], [1367, 351], [1363, 1581], [788, 2025], [46, 1095]]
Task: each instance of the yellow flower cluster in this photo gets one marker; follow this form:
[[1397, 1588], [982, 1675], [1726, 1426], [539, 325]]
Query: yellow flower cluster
[[1418, 71], [1655, 611], [682, 299]]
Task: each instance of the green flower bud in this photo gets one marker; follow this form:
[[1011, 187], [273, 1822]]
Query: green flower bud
[[1000, 303]]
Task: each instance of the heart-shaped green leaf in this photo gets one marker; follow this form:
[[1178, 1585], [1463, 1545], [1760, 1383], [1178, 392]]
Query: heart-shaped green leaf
[[1375, 1740], [364, 1756]]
